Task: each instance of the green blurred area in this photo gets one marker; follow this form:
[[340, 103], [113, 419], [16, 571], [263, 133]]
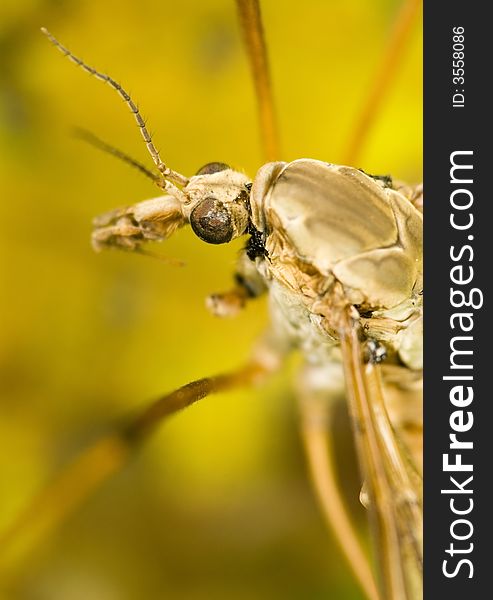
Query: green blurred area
[[218, 504]]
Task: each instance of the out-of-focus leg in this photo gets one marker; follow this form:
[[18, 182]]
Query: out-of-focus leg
[[320, 389]]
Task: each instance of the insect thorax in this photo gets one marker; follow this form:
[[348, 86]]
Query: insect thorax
[[325, 226]]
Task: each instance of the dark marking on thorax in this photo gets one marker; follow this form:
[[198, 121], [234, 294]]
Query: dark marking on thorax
[[255, 246]]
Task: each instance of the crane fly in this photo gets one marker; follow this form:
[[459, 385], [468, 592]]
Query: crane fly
[[339, 254]]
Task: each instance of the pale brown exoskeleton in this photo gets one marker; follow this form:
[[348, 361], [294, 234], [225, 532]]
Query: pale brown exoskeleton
[[339, 252]]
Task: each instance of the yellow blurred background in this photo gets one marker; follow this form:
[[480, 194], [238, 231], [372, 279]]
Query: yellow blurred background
[[217, 505]]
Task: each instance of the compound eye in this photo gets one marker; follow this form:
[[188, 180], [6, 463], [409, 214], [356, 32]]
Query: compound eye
[[213, 167], [211, 222]]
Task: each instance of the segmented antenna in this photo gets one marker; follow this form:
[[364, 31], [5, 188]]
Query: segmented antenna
[[166, 172], [90, 138]]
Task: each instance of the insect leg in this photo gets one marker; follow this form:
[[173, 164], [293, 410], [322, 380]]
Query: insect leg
[[403, 394], [248, 285], [320, 389], [394, 495], [253, 35], [129, 227], [84, 475], [382, 79]]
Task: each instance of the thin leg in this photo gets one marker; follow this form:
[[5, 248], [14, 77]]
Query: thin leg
[[248, 285], [107, 456], [382, 79], [253, 34], [393, 493], [319, 392]]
